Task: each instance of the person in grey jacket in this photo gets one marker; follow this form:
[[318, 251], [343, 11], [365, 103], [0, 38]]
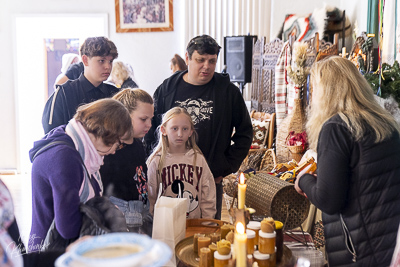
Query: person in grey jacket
[[357, 183], [216, 106]]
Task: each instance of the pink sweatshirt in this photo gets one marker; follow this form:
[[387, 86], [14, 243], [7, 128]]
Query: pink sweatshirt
[[179, 170]]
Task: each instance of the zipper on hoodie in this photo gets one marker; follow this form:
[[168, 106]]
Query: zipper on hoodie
[[347, 239]]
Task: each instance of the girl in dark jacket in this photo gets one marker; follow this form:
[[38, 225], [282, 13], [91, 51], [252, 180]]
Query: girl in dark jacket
[[357, 186]]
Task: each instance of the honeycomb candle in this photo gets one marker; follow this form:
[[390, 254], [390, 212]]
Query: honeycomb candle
[[225, 229], [205, 257], [203, 241], [195, 242], [215, 237], [213, 248]]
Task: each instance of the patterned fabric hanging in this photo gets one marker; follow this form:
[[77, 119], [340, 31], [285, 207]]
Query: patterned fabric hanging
[[389, 39], [281, 82], [270, 57]]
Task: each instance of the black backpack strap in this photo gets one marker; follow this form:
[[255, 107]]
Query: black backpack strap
[[50, 145]]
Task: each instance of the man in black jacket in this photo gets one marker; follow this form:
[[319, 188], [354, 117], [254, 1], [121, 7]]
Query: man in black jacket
[[98, 54], [216, 106]]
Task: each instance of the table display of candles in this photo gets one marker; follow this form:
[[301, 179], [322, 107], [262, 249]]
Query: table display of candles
[[216, 249], [213, 251]]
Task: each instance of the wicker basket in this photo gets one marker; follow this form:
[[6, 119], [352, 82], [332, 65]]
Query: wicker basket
[[270, 196], [296, 149], [295, 154], [293, 122], [230, 186], [253, 159], [269, 161]]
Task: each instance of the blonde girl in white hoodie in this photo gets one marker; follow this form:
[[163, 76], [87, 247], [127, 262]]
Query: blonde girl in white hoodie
[[177, 163]]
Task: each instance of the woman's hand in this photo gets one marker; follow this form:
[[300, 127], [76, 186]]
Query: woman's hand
[[296, 184], [298, 189]]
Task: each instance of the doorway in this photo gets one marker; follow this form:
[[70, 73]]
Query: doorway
[[31, 79]]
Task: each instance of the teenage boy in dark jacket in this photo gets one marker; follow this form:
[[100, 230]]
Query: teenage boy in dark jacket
[[217, 108], [98, 54]]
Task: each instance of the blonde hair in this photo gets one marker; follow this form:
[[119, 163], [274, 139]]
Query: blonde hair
[[120, 72], [163, 144], [339, 88], [129, 97]]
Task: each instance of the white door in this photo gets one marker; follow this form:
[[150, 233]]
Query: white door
[[30, 34]]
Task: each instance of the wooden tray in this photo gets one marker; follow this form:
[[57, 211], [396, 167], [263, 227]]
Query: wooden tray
[[184, 252], [204, 226], [186, 256]]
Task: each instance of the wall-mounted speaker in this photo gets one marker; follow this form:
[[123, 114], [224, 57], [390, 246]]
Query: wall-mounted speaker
[[238, 55]]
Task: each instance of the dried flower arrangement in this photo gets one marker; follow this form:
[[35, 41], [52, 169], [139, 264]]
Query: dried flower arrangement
[[298, 74], [297, 139]]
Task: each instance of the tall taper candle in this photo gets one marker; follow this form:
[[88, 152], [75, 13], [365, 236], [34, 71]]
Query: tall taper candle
[[241, 192], [240, 244]]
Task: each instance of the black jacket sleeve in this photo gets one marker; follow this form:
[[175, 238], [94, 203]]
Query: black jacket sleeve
[[329, 191], [243, 133]]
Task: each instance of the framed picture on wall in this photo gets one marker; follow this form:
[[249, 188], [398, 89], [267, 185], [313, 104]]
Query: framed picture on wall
[[144, 15]]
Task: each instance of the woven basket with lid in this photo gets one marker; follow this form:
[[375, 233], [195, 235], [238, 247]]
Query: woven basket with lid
[[270, 196]]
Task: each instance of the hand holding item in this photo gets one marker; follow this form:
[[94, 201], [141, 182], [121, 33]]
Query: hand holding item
[[310, 170]]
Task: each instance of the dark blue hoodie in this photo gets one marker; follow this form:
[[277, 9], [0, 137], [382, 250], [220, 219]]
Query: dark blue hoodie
[[57, 175]]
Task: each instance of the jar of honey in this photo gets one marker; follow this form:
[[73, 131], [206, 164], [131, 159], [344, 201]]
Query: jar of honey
[[266, 242], [251, 236], [221, 260], [255, 226], [261, 259]]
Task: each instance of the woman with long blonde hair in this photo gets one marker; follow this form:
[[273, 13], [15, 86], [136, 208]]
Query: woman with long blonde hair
[[179, 166], [357, 186]]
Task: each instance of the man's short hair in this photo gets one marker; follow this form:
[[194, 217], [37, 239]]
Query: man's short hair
[[98, 47], [203, 44]]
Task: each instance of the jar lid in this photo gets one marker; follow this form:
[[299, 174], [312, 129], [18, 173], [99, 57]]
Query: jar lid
[[250, 233], [254, 225], [267, 235], [260, 256], [222, 257]]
